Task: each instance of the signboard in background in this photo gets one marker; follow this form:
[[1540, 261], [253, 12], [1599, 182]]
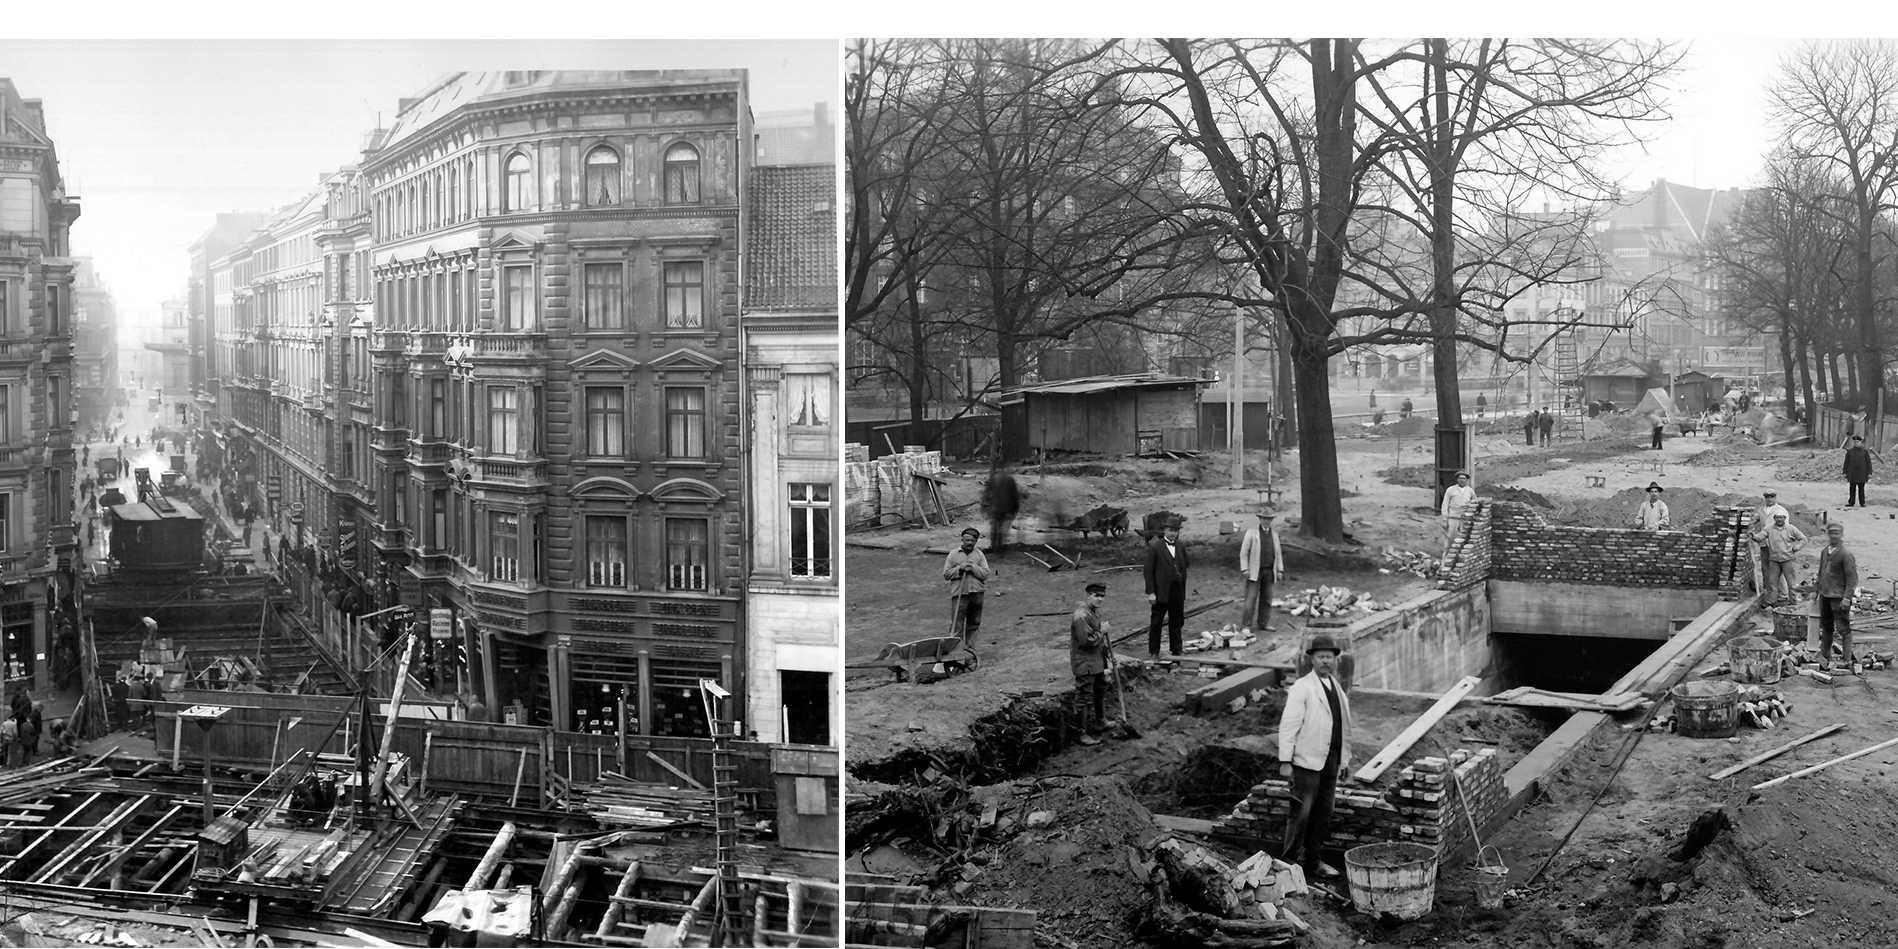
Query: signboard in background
[[441, 624], [1745, 358]]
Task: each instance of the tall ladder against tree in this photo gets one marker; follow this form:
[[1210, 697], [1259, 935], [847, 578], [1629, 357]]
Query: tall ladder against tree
[[1568, 379]]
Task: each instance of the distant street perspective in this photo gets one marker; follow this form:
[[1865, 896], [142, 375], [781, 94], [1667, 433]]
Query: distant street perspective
[[438, 550], [1347, 493]]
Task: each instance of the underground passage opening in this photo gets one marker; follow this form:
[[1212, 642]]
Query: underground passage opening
[[1588, 664]]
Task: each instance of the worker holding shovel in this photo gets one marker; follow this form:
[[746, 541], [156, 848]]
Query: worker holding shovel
[[1087, 656]]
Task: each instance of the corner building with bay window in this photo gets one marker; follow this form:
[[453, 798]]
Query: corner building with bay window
[[555, 439]]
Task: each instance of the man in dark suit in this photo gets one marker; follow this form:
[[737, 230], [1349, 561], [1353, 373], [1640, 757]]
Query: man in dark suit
[[1165, 574]]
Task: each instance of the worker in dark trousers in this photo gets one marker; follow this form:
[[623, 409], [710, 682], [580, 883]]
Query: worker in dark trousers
[[1314, 751], [1088, 656], [1858, 470], [1165, 575], [1002, 498], [1836, 585]]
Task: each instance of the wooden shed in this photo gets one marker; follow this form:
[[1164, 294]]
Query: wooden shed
[[1622, 383], [1110, 415], [1696, 391]]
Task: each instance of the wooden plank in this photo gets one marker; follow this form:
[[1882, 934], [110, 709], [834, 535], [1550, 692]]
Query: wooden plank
[[1428, 720], [1827, 764], [1767, 756], [669, 766]]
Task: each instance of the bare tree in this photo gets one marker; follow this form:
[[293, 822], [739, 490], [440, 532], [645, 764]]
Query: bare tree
[[1837, 104]]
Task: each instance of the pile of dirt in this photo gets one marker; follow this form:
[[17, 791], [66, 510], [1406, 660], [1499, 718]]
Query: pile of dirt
[[1686, 507], [1410, 476], [1625, 423], [1509, 492], [1075, 870], [1729, 453], [1829, 466]]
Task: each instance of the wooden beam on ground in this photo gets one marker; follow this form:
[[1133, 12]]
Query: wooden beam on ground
[[112, 866], [1827, 764], [699, 905], [491, 860], [669, 766], [1382, 761], [1213, 697], [615, 911], [1725, 773]]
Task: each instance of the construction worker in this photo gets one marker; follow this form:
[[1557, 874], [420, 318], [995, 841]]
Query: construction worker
[[1546, 424], [1858, 470], [1459, 500], [967, 572], [1087, 658], [1652, 516], [1262, 561], [1837, 585], [1314, 752], [1780, 541]]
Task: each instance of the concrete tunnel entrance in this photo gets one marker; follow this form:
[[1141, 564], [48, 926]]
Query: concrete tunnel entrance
[[1565, 663]]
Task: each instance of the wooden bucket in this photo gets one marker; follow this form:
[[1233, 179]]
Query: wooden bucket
[[1756, 659], [1395, 878], [1706, 709], [1789, 623]]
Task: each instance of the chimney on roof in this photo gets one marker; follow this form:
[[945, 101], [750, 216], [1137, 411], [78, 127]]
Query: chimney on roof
[[824, 148]]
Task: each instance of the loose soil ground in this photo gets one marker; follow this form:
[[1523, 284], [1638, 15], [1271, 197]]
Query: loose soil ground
[[1802, 864]]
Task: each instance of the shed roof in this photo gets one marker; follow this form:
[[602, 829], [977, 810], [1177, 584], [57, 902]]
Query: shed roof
[[140, 511], [1090, 385]]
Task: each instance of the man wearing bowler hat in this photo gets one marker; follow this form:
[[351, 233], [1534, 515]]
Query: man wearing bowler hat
[[1837, 585], [1165, 575], [1314, 751], [1652, 516], [967, 572], [1087, 656]]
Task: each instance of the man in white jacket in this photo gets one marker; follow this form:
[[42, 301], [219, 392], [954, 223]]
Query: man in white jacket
[[1314, 750], [1262, 561], [1459, 500]]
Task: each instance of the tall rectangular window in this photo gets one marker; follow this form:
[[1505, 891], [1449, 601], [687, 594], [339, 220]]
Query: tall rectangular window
[[455, 304], [504, 413], [604, 290], [438, 408], [810, 530], [685, 422], [517, 302], [54, 323], [6, 522], [606, 551], [55, 403], [505, 531], [606, 421], [6, 309], [807, 399], [685, 294], [688, 553], [438, 519]]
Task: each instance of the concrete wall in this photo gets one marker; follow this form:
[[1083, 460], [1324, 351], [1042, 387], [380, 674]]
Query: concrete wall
[[1424, 644], [1550, 607]]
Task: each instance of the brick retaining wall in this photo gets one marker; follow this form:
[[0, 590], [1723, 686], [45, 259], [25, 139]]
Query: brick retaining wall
[[1710, 555]]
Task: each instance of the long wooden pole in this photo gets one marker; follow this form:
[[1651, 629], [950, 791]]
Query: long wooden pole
[[1821, 767], [388, 728], [1756, 759], [478, 880]]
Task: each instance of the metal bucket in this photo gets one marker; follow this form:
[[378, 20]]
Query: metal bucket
[[1492, 879], [1756, 659], [1395, 878], [1706, 709]]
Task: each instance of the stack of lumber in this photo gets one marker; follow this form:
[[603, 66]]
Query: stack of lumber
[[620, 801], [1543, 698], [30, 784]]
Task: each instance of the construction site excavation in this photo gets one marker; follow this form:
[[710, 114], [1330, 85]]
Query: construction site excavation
[[1567, 730]]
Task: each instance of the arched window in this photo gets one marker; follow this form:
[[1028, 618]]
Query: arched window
[[454, 193], [516, 196], [603, 179], [682, 174]]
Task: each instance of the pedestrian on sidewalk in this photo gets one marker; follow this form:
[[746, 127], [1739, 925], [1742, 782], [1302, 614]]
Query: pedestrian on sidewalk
[[1529, 428], [967, 571], [1088, 658], [1315, 733], [1837, 584], [1403, 411], [1262, 562], [1652, 515], [1858, 470], [1165, 576], [1546, 424], [1482, 405], [1781, 542]]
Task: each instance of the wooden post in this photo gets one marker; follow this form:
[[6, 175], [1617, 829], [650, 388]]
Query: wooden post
[[478, 880], [759, 912], [388, 728], [699, 905], [557, 920], [520, 771], [557, 887]]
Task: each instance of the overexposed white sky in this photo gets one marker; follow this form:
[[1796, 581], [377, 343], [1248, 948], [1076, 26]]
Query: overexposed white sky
[[1720, 135], [156, 137]]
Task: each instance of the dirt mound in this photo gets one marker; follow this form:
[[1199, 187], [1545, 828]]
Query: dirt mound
[[1625, 423], [1829, 466], [1074, 870], [1729, 452], [1506, 492], [1686, 507], [1410, 476]]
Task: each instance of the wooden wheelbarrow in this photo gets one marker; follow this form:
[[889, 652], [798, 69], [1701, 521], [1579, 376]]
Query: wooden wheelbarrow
[[953, 653]]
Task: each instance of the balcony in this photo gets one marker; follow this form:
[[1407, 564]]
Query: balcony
[[428, 453], [427, 342], [529, 474], [388, 341], [508, 345]]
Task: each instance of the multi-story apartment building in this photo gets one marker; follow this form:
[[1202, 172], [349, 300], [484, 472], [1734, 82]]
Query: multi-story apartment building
[[172, 384], [555, 447], [792, 434], [207, 373], [37, 460], [95, 350]]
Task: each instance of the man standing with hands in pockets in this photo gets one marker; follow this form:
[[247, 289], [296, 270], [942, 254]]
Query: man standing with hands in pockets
[[1314, 750], [1165, 574]]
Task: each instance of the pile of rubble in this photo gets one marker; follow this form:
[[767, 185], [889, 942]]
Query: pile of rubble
[[1229, 636], [1828, 466], [1328, 601], [1415, 562]]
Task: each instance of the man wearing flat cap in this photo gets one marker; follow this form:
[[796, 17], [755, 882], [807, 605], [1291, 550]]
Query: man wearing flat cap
[[968, 573], [1837, 584], [1314, 751], [1165, 575], [1087, 655], [1652, 516]]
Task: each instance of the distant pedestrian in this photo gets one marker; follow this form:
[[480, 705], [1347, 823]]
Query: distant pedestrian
[[1482, 405], [1529, 428], [1373, 397], [1545, 424], [1780, 541], [1652, 515], [1403, 411], [1262, 562], [1658, 421], [967, 572], [1002, 499], [1459, 500], [1858, 470], [1836, 587], [1315, 735], [1088, 652], [1165, 576]]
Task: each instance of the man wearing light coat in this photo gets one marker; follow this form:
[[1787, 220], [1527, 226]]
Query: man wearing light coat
[[1262, 561], [1314, 750]]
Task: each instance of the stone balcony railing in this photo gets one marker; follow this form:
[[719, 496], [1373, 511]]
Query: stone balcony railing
[[531, 473], [428, 453]]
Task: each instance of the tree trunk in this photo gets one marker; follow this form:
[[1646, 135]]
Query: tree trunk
[[1854, 394], [1804, 354], [1320, 505], [1834, 390], [1785, 362], [1013, 431], [1286, 394], [919, 352], [1443, 263]]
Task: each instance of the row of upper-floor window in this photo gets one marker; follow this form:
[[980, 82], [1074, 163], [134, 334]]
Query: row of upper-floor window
[[619, 295], [453, 192], [16, 422], [509, 419], [16, 316]]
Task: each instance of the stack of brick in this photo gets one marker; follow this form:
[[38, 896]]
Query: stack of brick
[[1252, 890], [856, 452], [1467, 563], [885, 487], [1418, 807], [1526, 547]]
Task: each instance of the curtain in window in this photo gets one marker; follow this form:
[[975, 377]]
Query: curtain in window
[[682, 174], [605, 285], [606, 551], [516, 183], [503, 413], [687, 548], [808, 397], [685, 294], [606, 422], [685, 423], [603, 179]]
